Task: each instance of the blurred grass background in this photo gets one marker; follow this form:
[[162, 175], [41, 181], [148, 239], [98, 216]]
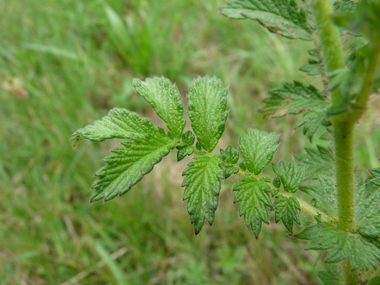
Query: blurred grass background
[[64, 64]]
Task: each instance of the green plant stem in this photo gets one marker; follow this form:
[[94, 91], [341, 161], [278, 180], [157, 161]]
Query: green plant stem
[[329, 40], [343, 127]]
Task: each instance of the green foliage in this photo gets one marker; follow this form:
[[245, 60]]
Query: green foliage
[[324, 194], [313, 67], [207, 110], [257, 148], [332, 275], [188, 138], [183, 151], [254, 199], [363, 251], [290, 174], [294, 98], [165, 99], [311, 121], [277, 182], [229, 170], [230, 155], [283, 17], [129, 164], [366, 204], [316, 161], [203, 185], [119, 123], [349, 232], [288, 210]]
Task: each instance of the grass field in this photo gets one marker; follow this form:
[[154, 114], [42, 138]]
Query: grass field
[[64, 64]]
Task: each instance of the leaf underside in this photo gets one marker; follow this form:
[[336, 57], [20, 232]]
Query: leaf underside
[[332, 275], [282, 17], [294, 98], [257, 148], [253, 196], [129, 164], [366, 206], [119, 123], [363, 251], [316, 161], [203, 183], [290, 174], [311, 121], [288, 210], [207, 110], [165, 99], [325, 194]]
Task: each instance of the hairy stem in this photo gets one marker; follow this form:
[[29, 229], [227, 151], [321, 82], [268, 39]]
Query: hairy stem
[[343, 127], [329, 41]]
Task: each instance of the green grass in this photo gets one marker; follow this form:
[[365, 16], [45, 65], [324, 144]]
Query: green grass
[[63, 64]]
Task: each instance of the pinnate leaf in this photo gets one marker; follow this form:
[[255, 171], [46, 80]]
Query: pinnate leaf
[[165, 99], [367, 206], [282, 17], [203, 183], [293, 98], [332, 275], [129, 164], [316, 161], [253, 196], [313, 67], [119, 123], [311, 121], [324, 194], [290, 174], [288, 210], [207, 110], [363, 251], [258, 147]]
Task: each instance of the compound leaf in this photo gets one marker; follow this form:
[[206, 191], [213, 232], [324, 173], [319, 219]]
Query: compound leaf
[[290, 174], [203, 183], [366, 205], [293, 98], [254, 199], [282, 17], [165, 99], [257, 147], [316, 161], [207, 110], [313, 67], [129, 164], [288, 210], [311, 121], [324, 194], [363, 251], [332, 275], [119, 123]]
